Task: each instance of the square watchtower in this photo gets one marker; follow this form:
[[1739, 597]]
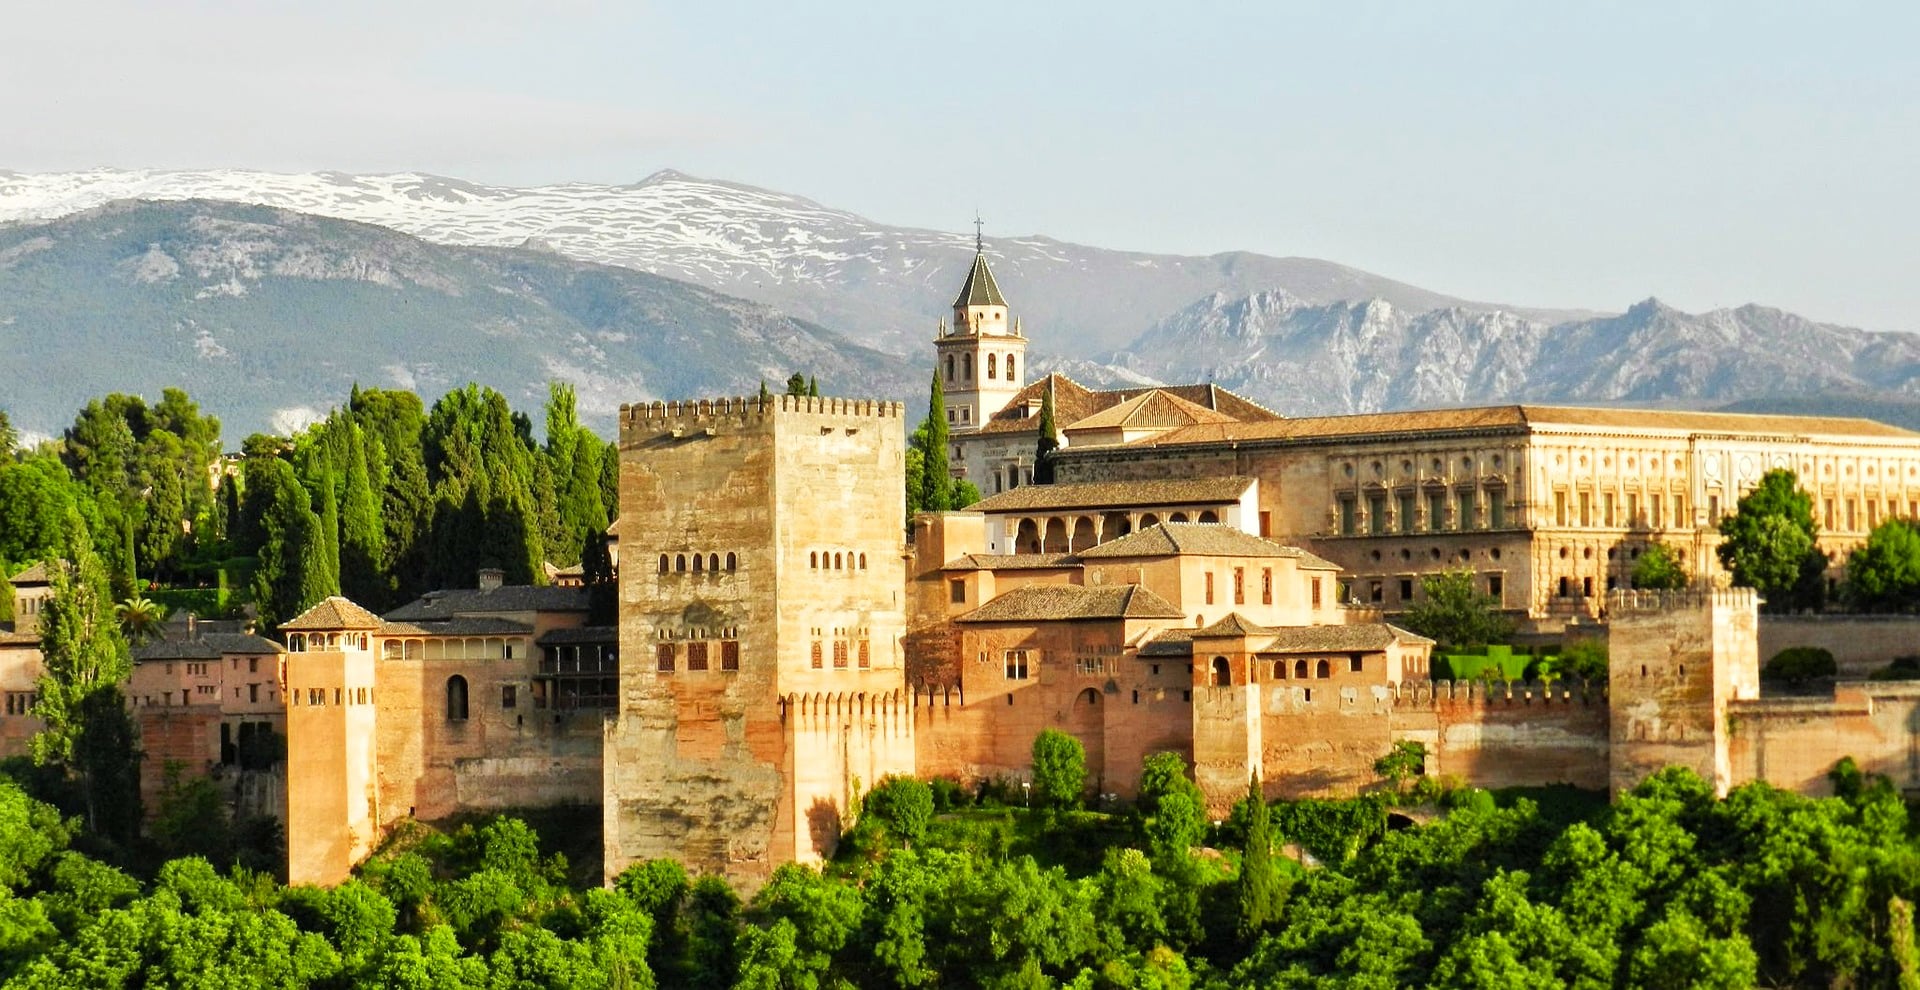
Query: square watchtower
[[762, 553]]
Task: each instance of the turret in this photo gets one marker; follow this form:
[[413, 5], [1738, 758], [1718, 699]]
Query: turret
[[982, 354]]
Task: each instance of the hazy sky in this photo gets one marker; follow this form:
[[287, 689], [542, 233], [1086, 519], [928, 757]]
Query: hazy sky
[[1708, 153]]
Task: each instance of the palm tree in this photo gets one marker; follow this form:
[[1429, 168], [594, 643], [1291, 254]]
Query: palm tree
[[140, 619]]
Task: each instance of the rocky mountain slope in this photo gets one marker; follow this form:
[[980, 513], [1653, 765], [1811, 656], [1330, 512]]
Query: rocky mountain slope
[[885, 286], [269, 315], [1307, 358]]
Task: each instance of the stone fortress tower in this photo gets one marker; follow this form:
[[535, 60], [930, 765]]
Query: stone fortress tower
[[1680, 660], [982, 356], [760, 620]]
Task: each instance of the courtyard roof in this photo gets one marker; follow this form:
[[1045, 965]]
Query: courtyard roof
[[333, 613], [1068, 602], [1203, 539], [1117, 494]]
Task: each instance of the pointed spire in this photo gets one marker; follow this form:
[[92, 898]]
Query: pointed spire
[[980, 288]]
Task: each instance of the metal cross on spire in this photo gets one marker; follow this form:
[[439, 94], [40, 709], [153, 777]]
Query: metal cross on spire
[[979, 242]]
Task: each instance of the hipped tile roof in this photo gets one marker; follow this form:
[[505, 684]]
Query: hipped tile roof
[[1116, 494], [1055, 603], [333, 613]]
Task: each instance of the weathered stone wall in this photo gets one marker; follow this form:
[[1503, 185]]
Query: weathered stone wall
[[1860, 644], [805, 496], [189, 737], [1793, 742], [1677, 660]]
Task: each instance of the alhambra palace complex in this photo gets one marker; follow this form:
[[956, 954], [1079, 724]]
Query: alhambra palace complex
[[1205, 576]]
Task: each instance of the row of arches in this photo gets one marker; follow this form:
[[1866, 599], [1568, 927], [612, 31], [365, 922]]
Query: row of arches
[[712, 562], [1071, 534], [1221, 674], [965, 366], [836, 560]]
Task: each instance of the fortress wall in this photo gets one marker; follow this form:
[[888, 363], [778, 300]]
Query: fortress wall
[[1509, 735], [187, 736], [1792, 743], [838, 746], [497, 758], [1323, 746], [1860, 644]]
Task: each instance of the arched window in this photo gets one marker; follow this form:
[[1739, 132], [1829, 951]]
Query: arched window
[[1090, 697], [1010, 375], [1279, 670], [732, 562], [863, 561], [836, 562], [1300, 670], [663, 564], [697, 563], [713, 561], [1222, 672], [680, 563], [813, 560], [1209, 517], [949, 367], [993, 365], [966, 366], [456, 699], [1178, 517], [1324, 669]]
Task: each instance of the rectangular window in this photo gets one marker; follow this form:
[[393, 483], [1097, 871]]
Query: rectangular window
[[730, 655], [1436, 512], [509, 696], [1873, 513], [1209, 577], [1633, 509], [1016, 664], [1239, 586], [1315, 586], [1852, 520], [1376, 514], [1559, 508], [1680, 518], [1496, 508], [839, 654], [1586, 508], [1606, 508], [253, 693], [1354, 664], [1266, 523], [1467, 518], [1406, 589], [253, 665], [957, 591], [1494, 586], [866, 655], [663, 658], [1346, 515], [1266, 586], [1713, 509], [696, 656], [1375, 594], [816, 659], [1826, 513], [1406, 511]]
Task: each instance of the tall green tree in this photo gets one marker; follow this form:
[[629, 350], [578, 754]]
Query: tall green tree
[[1451, 612], [1259, 888], [1658, 569], [1768, 543], [797, 384], [1059, 769], [936, 477], [1049, 440], [327, 581], [1884, 574], [291, 574], [362, 537], [84, 661], [9, 437]]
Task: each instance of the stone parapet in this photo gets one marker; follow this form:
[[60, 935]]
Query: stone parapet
[[652, 417], [1415, 695], [1627, 602]]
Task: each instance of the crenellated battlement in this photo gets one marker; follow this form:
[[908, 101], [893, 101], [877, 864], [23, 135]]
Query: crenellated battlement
[[816, 709], [1626, 602], [742, 411], [1420, 695]]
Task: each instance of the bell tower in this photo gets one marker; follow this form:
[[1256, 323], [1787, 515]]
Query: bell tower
[[982, 355]]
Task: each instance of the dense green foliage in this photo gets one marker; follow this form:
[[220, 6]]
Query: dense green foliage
[[1658, 569], [1667, 887], [1586, 659], [1768, 544], [1884, 574], [380, 501], [1453, 614], [1799, 664], [1059, 769]]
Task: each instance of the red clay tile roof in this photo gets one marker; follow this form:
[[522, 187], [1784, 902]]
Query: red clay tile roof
[[1010, 561], [1074, 403], [1117, 494], [334, 613], [1339, 639], [1155, 409], [37, 574], [1067, 602], [1203, 539]]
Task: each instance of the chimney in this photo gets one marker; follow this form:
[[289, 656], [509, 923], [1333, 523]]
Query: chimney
[[192, 625], [491, 578]]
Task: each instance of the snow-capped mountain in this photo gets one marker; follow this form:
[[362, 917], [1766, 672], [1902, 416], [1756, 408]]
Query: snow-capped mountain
[[884, 286], [1309, 359], [269, 316]]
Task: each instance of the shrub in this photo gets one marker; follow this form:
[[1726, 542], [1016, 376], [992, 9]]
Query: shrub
[[1585, 659], [948, 795], [1059, 769], [905, 805], [1900, 669], [1799, 664]]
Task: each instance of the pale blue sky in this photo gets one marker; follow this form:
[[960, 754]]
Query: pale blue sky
[[1709, 153]]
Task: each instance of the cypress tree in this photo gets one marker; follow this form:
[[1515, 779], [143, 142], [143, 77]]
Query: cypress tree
[[764, 394], [610, 480], [327, 581], [813, 387], [84, 660], [936, 477], [1049, 439], [1259, 886], [361, 537]]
